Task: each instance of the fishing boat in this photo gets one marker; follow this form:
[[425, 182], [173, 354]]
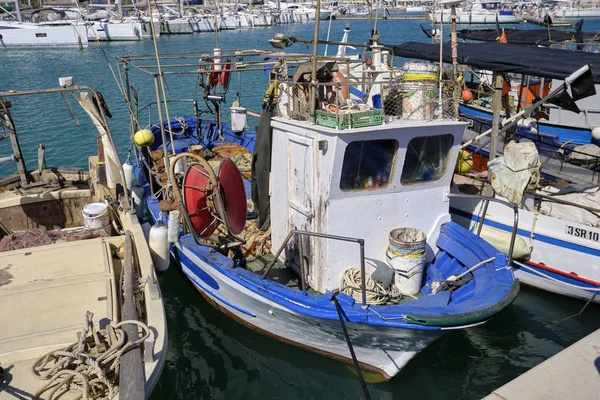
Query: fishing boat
[[294, 246], [82, 313], [556, 248]]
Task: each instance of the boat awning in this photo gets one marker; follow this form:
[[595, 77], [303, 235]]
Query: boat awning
[[505, 57]]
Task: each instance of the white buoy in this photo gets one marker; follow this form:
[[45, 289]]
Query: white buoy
[[173, 232], [596, 133], [128, 171], [159, 247]]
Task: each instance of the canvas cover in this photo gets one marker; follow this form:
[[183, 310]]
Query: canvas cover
[[511, 173], [589, 197]]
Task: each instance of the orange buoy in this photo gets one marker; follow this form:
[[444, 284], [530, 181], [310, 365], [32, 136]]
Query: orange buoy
[[467, 96]]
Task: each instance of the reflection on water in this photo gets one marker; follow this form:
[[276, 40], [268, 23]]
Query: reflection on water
[[213, 357]]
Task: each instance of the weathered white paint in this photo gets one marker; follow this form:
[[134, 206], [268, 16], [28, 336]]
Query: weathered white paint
[[318, 204]]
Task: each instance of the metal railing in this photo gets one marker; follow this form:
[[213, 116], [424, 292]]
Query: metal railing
[[487, 200], [300, 234]]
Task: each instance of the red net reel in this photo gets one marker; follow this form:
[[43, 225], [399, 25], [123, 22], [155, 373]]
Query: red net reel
[[213, 199]]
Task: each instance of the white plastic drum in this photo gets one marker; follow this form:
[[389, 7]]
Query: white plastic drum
[[420, 84], [406, 255], [238, 119], [95, 216]]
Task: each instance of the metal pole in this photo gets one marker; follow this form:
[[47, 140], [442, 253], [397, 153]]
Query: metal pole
[[363, 286], [441, 77], [315, 53], [496, 117], [163, 135], [454, 45]]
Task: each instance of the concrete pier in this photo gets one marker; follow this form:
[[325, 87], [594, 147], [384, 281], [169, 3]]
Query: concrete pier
[[572, 374]]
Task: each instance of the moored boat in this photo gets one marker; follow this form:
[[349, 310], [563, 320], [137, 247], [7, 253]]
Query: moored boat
[[341, 181], [82, 311], [556, 247]]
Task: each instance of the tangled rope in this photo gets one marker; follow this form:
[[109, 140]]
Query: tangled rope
[[376, 293], [90, 365]]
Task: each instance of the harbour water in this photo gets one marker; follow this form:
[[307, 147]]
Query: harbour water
[[212, 357]]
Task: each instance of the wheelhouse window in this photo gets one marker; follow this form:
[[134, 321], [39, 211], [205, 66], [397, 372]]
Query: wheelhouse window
[[426, 159], [368, 164]]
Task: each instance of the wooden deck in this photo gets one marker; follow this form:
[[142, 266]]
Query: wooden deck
[[44, 295]]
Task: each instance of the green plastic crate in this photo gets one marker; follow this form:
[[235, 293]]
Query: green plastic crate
[[367, 118], [358, 119], [328, 119]]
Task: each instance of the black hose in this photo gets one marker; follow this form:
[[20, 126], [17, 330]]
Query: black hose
[[349, 343]]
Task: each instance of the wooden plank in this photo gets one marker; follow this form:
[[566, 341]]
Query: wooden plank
[[131, 379], [12, 133]]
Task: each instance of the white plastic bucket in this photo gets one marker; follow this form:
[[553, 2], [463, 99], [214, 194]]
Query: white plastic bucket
[[238, 119], [406, 255], [95, 216]]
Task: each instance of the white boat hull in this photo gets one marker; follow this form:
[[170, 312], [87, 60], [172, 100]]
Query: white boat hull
[[559, 263], [178, 26], [206, 24], [16, 35], [477, 18], [115, 31], [379, 349], [146, 29]]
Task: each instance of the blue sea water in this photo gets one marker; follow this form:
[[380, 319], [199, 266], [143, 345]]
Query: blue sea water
[[212, 357]]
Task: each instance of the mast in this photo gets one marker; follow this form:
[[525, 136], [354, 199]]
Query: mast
[[313, 78], [18, 9], [119, 8]]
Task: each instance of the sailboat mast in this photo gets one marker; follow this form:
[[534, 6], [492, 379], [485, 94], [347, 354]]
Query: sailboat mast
[[119, 8], [18, 10]]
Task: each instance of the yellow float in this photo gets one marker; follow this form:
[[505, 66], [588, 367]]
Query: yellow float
[[143, 137]]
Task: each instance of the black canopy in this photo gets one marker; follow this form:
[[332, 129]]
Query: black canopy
[[498, 57], [542, 37]]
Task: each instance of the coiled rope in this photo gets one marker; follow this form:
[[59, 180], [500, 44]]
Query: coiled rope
[[376, 293], [90, 365]]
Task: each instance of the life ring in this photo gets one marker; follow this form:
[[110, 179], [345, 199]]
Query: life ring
[[214, 77], [221, 78], [225, 75]]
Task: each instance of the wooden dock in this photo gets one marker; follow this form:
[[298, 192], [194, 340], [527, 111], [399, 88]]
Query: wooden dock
[[574, 373]]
